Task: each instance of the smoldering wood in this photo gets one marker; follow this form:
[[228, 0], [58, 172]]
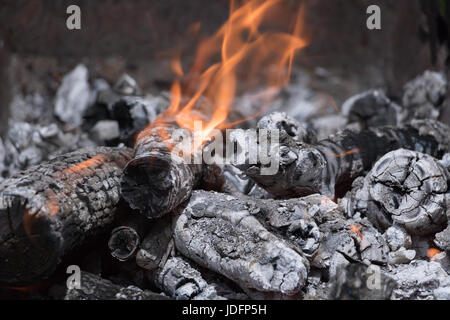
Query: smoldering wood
[[333, 163], [157, 181], [442, 239], [48, 210], [93, 287], [371, 109], [406, 188], [126, 238], [219, 233]]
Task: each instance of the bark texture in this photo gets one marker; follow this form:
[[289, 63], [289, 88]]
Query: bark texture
[[48, 210]]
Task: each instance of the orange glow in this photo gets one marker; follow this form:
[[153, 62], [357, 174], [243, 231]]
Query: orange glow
[[239, 46], [346, 153], [91, 163], [432, 252], [356, 229]]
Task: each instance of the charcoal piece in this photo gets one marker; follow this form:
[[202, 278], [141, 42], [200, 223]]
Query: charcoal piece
[[127, 86], [423, 97], [72, 97], [155, 246], [371, 109], [181, 279], [402, 255], [134, 113], [397, 238], [407, 188], [288, 126], [356, 281], [442, 239], [93, 287], [157, 180], [219, 233], [332, 164], [48, 210]]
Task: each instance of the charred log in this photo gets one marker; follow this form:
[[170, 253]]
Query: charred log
[[93, 287], [157, 181], [406, 188], [335, 162], [219, 233], [48, 210]]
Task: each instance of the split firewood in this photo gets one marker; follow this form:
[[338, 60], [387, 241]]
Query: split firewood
[[406, 188], [333, 163], [157, 180], [48, 210], [219, 233], [371, 109], [93, 287]]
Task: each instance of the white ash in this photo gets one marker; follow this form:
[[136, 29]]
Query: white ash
[[328, 125], [127, 86], [442, 239], [396, 237], [419, 280], [402, 255], [73, 96]]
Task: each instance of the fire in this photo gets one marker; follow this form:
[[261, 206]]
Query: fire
[[357, 229], [432, 252], [238, 45]]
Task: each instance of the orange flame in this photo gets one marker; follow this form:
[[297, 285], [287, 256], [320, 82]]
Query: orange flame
[[242, 47], [432, 252], [357, 229]]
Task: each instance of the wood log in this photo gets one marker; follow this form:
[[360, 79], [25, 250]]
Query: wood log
[[331, 164], [219, 233], [405, 188], [93, 287], [48, 210], [156, 181]]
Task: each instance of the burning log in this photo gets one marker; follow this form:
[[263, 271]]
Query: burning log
[[406, 188], [335, 162], [219, 233], [93, 287], [48, 210], [157, 181]]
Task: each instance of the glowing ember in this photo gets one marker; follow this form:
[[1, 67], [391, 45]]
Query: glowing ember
[[91, 163], [240, 45], [346, 153], [357, 229], [432, 252]]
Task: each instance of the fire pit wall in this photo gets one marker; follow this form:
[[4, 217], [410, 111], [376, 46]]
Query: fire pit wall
[[79, 187]]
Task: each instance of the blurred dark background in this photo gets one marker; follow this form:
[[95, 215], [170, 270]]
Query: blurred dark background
[[120, 36]]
